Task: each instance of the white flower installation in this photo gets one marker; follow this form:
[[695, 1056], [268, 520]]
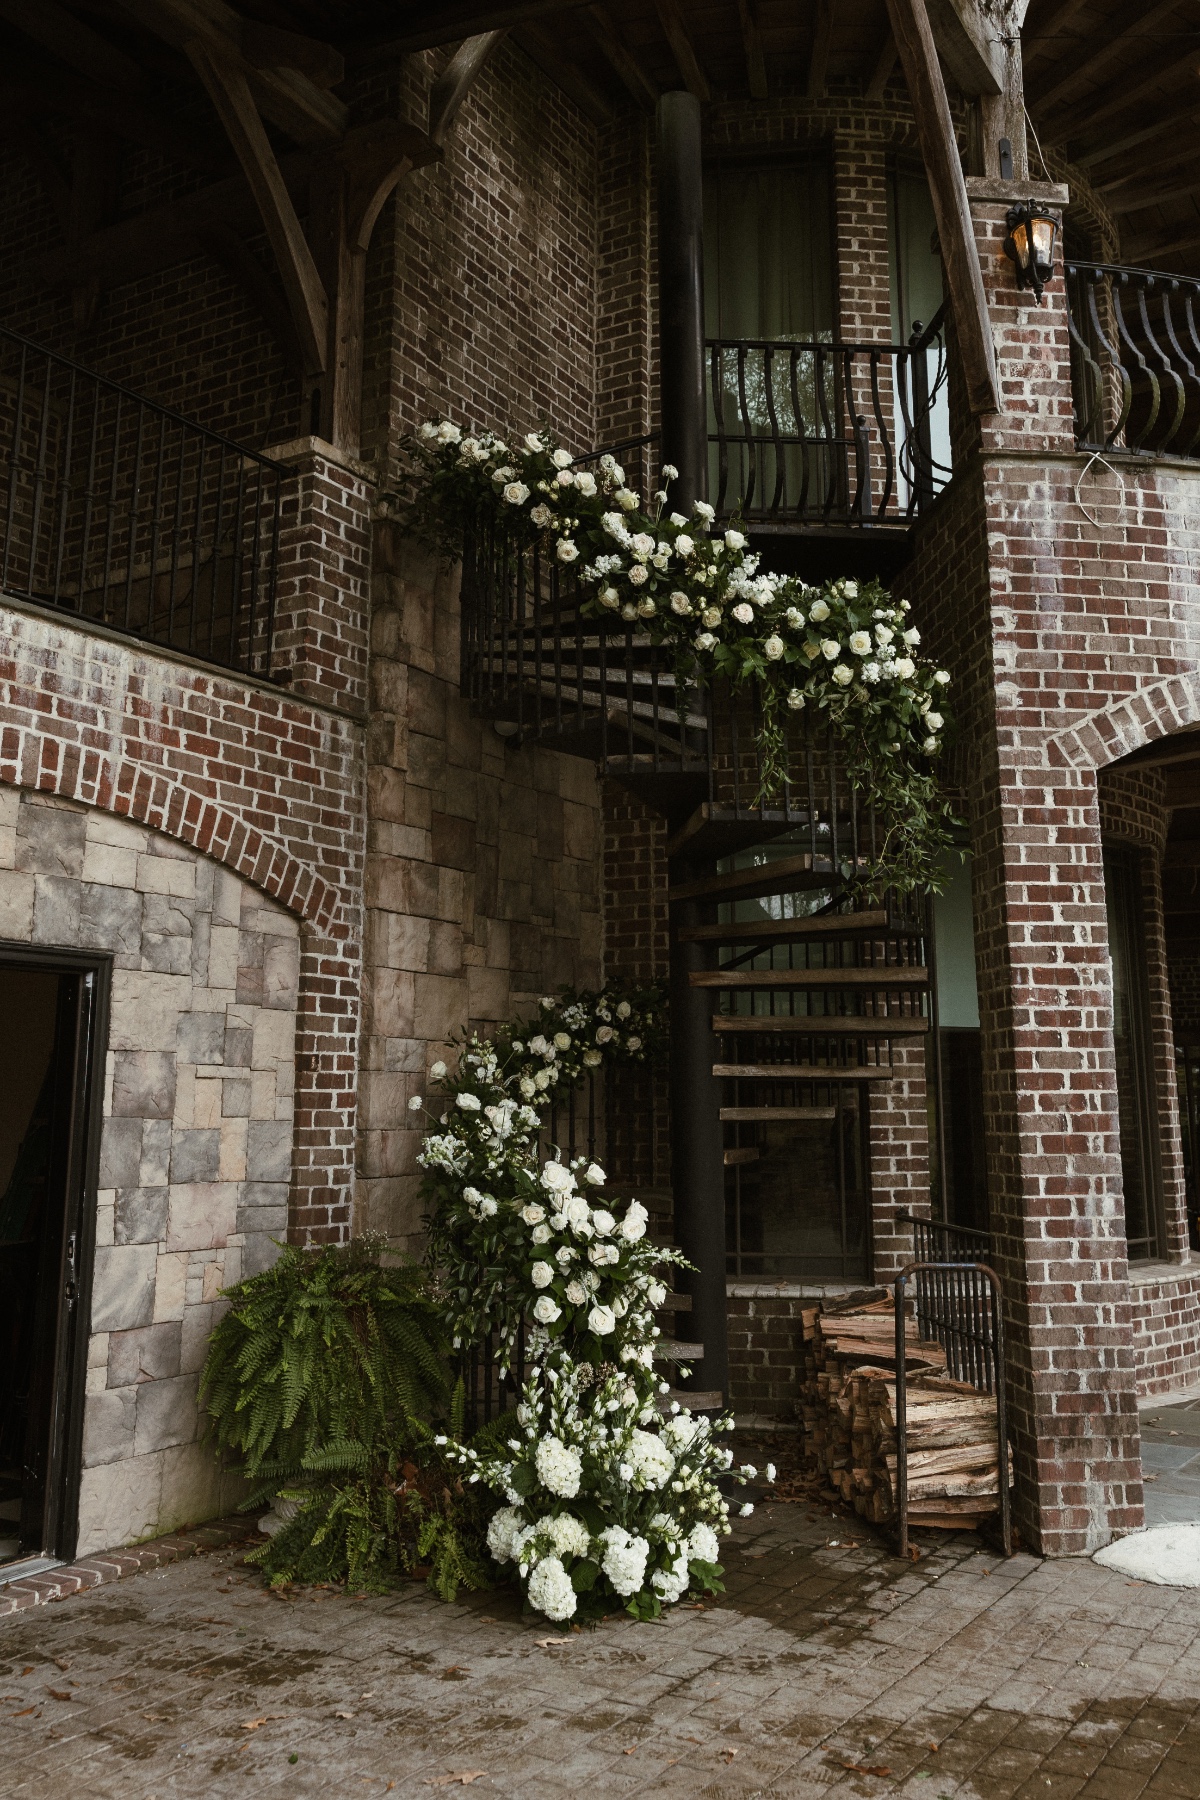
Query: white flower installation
[[846, 649], [607, 1503]]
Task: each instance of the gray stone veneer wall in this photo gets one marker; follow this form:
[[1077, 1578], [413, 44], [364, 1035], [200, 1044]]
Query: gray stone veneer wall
[[196, 1148]]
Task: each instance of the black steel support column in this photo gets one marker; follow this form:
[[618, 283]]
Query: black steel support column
[[682, 404], [697, 1159], [697, 1144]]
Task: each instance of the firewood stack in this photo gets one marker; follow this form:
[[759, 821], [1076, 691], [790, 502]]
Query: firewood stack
[[848, 1408]]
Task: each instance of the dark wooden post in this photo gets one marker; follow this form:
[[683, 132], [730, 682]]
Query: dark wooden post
[[697, 1162]]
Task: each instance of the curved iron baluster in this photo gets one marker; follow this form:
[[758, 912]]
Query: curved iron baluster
[[823, 404], [805, 471], [1143, 288], [751, 452], [768, 357], [722, 440], [1091, 374], [853, 422], [1121, 280], [889, 464], [1175, 287], [1114, 352]]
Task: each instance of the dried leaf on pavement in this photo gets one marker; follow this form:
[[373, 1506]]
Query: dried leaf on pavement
[[464, 1778]]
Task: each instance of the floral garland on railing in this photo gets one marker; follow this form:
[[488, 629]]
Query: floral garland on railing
[[844, 649], [608, 1504]]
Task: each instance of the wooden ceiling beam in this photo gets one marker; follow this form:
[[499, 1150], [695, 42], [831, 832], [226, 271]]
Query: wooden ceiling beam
[[966, 39], [74, 43], [58, 92], [1139, 251], [544, 48], [456, 80], [670, 17], [229, 91], [309, 114], [1046, 39], [447, 22], [752, 44], [623, 61], [822, 44], [1111, 50], [881, 69], [1124, 205], [952, 211], [1118, 97], [1173, 124]]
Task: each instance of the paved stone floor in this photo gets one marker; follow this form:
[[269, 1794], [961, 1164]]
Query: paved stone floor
[[828, 1667], [1171, 1462]]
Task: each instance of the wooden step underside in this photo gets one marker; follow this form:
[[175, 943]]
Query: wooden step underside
[[675, 1350], [776, 1115], [752, 884], [810, 1026], [889, 976], [787, 931], [801, 1072]]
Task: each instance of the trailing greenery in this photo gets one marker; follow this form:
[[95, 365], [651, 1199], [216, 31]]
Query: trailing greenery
[[844, 649], [326, 1353]]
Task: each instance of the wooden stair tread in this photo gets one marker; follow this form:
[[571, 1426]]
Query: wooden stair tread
[[676, 1350], [746, 1115], [775, 878], [746, 1154], [785, 930], [809, 1025], [695, 1400], [676, 1303], [890, 975], [806, 1072]]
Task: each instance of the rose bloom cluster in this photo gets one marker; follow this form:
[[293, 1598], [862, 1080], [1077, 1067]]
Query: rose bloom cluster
[[841, 646], [608, 1505]]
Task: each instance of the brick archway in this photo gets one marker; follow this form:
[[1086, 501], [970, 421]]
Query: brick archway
[[1153, 712], [148, 797]]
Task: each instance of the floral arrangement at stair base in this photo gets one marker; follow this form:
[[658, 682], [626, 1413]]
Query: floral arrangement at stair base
[[607, 1502], [844, 649]]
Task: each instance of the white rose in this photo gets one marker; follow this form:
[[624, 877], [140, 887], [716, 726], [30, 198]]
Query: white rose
[[533, 440], [586, 483], [567, 550], [884, 634], [438, 1072], [934, 720], [634, 1043], [710, 616], [705, 640], [633, 1225], [594, 1175], [541, 516], [684, 545], [638, 575], [562, 459], [488, 1207], [646, 608], [576, 1293], [704, 511], [830, 649], [850, 589], [773, 649], [744, 613], [605, 1034], [624, 1009], [592, 1059], [843, 675], [860, 643], [561, 1041], [795, 700], [545, 1311], [541, 1274], [468, 1102], [602, 1320], [628, 500], [818, 611], [734, 540], [557, 1179], [533, 1214], [931, 746], [540, 1234], [906, 668], [912, 636], [602, 1221], [516, 493], [942, 677], [681, 604], [448, 433], [610, 597], [528, 1087], [564, 479]]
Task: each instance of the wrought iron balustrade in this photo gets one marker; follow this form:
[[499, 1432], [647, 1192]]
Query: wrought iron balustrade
[[120, 511], [811, 435], [1135, 351], [544, 669]]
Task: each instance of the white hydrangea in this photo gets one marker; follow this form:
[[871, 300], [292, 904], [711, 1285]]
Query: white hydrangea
[[550, 1590], [624, 1560], [503, 1531], [671, 1584], [681, 1430], [559, 1466], [703, 1544], [652, 1463], [568, 1535]]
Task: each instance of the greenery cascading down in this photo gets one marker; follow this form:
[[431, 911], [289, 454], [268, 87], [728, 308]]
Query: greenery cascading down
[[844, 650]]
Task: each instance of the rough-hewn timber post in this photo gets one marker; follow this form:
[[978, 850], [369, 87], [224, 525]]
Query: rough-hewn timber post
[[697, 1171]]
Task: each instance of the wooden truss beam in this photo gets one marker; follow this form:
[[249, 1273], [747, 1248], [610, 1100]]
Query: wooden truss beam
[[881, 69], [456, 80], [625, 64], [966, 39], [756, 65], [1044, 40], [952, 211], [229, 92], [1172, 125], [822, 44], [1125, 204], [1119, 96], [1112, 50], [670, 17], [74, 43]]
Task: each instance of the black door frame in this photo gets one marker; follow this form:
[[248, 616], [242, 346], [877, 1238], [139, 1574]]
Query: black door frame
[[71, 1283]]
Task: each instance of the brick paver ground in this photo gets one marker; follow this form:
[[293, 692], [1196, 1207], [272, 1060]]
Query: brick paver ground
[[828, 1667]]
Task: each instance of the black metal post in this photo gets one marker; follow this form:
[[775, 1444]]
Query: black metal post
[[697, 1145], [681, 296]]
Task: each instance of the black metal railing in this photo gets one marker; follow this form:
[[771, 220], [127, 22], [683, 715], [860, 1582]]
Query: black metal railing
[[1135, 351], [935, 1241], [960, 1306], [120, 511], [544, 669], [811, 435]]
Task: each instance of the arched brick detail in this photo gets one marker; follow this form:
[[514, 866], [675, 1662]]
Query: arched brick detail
[[150, 798], [1152, 712]]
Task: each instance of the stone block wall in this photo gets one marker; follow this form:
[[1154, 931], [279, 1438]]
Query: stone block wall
[[196, 1140], [482, 877]]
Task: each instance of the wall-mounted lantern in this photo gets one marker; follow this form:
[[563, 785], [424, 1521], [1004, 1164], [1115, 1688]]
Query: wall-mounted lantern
[[1031, 240]]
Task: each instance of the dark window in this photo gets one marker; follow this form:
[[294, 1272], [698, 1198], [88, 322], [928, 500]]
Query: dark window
[[1137, 1106]]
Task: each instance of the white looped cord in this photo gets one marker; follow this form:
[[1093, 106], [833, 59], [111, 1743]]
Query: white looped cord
[[1095, 457]]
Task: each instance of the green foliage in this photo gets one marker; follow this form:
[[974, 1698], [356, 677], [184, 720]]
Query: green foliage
[[323, 1359]]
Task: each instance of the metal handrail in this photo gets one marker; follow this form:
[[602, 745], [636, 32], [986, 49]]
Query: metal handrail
[[121, 511], [987, 1361]]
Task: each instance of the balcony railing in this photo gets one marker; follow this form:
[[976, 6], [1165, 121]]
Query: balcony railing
[[805, 436], [1135, 347], [120, 511]]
